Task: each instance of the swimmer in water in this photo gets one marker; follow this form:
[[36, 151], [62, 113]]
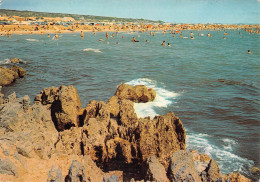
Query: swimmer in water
[[208, 35], [163, 43], [101, 40], [169, 45], [133, 40], [191, 37], [191, 34], [56, 36], [248, 52], [81, 35], [49, 36], [107, 36]]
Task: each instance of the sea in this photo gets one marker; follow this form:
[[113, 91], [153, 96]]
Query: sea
[[212, 84]]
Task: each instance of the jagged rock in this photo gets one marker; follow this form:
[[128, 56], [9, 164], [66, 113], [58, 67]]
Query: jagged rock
[[139, 93], [9, 75], [255, 170], [235, 177], [15, 60], [161, 136], [182, 167], [213, 171], [93, 173], [155, 171], [55, 175], [64, 103], [77, 172], [2, 100], [18, 70], [10, 161], [29, 127]]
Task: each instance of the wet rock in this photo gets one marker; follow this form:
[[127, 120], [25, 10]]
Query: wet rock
[[77, 172], [182, 167], [64, 104], [155, 171], [55, 175], [255, 170], [139, 93], [9, 75], [15, 60]]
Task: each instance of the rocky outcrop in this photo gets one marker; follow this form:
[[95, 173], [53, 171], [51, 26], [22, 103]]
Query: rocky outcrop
[[64, 104], [29, 128], [15, 60], [9, 75], [105, 141], [139, 93]]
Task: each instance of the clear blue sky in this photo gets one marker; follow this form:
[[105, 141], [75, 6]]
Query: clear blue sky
[[176, 11]]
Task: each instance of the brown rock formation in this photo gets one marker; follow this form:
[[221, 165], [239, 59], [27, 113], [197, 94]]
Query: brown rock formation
[[15, 60], [139, 93], [106, 136], [64, 103], [9, 75]]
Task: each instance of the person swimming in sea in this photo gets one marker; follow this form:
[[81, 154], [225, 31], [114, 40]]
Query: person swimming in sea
[[81, 35], [49, 36], [107, 36], [134, 40], [56, 36], [163, 43], [169, 45], [248, 52], [191, 37]]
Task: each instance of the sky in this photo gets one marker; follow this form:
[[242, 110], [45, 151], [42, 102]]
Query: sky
[[173, 11]]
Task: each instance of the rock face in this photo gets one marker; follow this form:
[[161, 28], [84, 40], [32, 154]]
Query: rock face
[[9, 75], [55, 175], [139, 93], [64, 103], [29, 128], [155, 171], [182, 167], [77, 173]]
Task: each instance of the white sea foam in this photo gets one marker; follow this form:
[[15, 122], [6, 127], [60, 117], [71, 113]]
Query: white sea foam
[[228, 161], [32, 40], [93, 50], [163, 98], [228, 144]]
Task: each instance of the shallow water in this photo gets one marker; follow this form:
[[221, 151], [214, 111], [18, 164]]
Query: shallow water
[[211, 83]]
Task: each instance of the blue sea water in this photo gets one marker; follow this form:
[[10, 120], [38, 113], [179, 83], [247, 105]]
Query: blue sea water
[[211, 83]]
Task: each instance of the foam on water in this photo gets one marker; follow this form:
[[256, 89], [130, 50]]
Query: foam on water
[[163, 98], [32, 40], [93, 50], [228, 162]]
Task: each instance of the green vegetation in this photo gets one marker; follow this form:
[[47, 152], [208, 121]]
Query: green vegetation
[[88, 18]]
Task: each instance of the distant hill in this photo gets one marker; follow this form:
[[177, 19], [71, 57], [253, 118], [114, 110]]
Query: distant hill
[[89, 18]]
